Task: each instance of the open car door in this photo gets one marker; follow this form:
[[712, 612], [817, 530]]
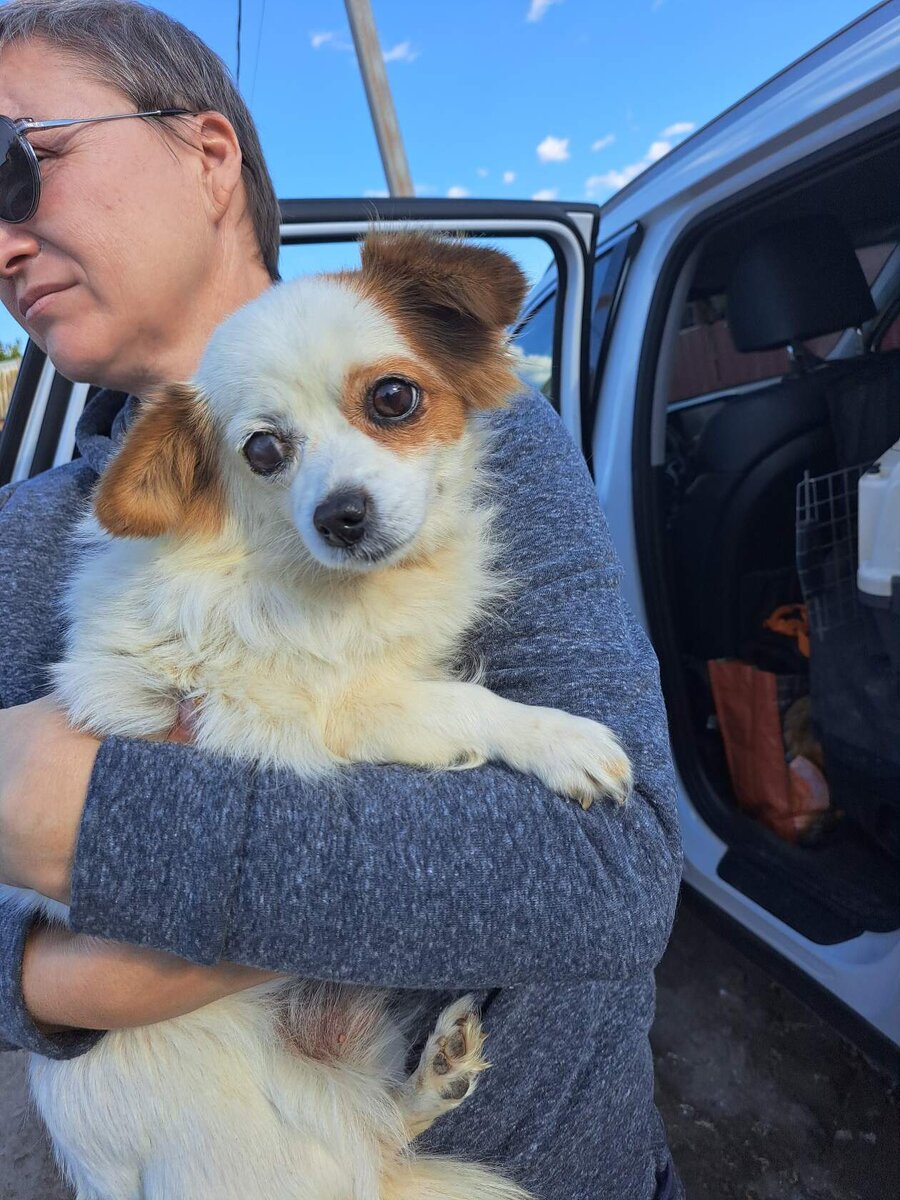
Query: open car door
[[39, 429]]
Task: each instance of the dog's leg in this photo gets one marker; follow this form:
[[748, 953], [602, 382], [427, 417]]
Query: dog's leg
[[453, 725], [448, 1069]]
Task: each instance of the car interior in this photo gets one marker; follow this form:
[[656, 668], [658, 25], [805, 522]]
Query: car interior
[[783, 388]]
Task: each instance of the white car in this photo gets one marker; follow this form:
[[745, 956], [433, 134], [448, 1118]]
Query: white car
[[722, 339]]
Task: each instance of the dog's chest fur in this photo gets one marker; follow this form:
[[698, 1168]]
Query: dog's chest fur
[[271, 650]]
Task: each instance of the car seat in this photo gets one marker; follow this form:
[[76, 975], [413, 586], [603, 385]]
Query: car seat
[[734, 528]]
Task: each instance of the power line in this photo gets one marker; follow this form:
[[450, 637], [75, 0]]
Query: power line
[[240, 14], [262, 18]]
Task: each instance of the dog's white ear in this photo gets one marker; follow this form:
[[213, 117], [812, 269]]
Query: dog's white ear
[[165, 477], [453, 300]]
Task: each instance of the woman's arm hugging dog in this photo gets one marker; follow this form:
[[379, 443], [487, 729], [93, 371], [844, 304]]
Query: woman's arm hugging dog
[[301, 539]]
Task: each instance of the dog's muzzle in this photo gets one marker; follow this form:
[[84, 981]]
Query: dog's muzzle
[[343, 518]]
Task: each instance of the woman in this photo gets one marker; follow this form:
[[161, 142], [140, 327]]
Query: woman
[[146, 233]]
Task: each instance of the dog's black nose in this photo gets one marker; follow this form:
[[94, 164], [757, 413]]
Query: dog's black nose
[[341, 517]]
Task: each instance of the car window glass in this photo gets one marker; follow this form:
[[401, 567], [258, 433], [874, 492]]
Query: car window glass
[[532, 254], [608, 269], [890, 339], [10, 358], [706, 360], [532, 348]]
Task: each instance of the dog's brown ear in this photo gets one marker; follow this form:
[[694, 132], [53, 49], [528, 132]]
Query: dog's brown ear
[[469, 280], [165, 478], [454, 300]]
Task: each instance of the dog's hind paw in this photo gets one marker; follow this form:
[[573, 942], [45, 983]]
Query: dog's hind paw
[[448, 1069]]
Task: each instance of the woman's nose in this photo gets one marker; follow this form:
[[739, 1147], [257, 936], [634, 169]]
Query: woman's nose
[[17, 245]]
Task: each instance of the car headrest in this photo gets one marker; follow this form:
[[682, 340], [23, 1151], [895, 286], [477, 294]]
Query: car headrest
[[796, 280]]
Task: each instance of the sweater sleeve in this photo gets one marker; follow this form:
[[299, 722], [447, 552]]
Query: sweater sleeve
[[399, 877], [17, 1029]]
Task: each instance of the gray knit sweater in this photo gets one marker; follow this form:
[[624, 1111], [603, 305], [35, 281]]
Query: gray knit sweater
[[431, 883]]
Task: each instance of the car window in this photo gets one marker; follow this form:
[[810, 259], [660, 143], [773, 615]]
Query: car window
[[532, 348], [890, 339], [10, 358], [609, 267], [706, 359]]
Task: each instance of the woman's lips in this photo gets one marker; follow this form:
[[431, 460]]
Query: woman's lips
[[43, 302]]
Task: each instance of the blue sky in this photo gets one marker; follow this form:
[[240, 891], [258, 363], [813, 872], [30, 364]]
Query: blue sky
[[499, 98]]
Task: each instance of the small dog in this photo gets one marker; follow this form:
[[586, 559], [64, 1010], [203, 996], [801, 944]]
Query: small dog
[[298, 543]]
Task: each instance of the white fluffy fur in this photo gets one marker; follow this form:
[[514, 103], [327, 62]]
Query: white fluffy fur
[[298, 658]]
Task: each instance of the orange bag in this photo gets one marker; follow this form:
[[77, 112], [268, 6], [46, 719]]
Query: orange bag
[[788, 798]]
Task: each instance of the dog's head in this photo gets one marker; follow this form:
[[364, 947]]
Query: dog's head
[[335, 407]]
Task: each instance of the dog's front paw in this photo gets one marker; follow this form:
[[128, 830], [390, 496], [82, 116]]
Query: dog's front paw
[[573, 756]]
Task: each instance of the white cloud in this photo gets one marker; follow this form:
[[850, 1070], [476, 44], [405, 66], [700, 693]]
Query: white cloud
[[482, 172], [611, 181], [509, 177], [553, 149], [376, 193], [602, 143], [546, 194], [539, 7], [329, 39], [402, 52], [678, 129], [425, 189], [457, 192]]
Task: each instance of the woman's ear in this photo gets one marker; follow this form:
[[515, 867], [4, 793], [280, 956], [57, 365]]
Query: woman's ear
[[221, 159], [165, 478]]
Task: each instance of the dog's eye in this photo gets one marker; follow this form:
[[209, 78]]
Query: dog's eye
[[394, 398], [265, 453]]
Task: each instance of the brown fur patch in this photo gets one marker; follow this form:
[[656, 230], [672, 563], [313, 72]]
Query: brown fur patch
[[452, 301], [165, 477], [440, 416]]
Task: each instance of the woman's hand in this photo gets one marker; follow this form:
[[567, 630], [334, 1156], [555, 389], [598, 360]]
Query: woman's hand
[[77, 981], [45, 769], [69, 979]]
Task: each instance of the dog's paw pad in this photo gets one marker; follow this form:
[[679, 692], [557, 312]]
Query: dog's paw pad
[[458, 1089], [452, 1058]]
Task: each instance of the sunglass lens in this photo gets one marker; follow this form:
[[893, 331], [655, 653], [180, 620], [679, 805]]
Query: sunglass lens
[[18, 176]]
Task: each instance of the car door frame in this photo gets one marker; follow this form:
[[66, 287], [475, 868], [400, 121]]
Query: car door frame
[[39, 431]]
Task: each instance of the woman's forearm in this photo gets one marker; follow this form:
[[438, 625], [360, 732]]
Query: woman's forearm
[[75, 981]]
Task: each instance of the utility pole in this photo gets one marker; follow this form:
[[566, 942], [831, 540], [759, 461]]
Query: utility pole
[[378, 93]]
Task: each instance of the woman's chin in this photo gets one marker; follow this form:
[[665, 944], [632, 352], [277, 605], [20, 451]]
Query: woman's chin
[[73, 360]]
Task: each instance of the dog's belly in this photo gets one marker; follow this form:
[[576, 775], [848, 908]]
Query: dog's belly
[[213, 1106]]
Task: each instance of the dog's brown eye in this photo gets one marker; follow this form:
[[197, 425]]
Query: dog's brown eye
[[265, 453], [394, 398]]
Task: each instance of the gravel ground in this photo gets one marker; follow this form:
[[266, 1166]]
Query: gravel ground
[[762, 1100]]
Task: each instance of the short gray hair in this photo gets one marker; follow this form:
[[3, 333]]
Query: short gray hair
[[158, 63]]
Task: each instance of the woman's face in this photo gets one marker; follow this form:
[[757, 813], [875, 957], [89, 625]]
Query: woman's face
[[124, 231]]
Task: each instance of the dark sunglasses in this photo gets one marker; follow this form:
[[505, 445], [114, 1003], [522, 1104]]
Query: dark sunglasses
[[20, 171]]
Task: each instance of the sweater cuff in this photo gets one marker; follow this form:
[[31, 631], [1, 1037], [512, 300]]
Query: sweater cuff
[[158, 850], [18, 1029]]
